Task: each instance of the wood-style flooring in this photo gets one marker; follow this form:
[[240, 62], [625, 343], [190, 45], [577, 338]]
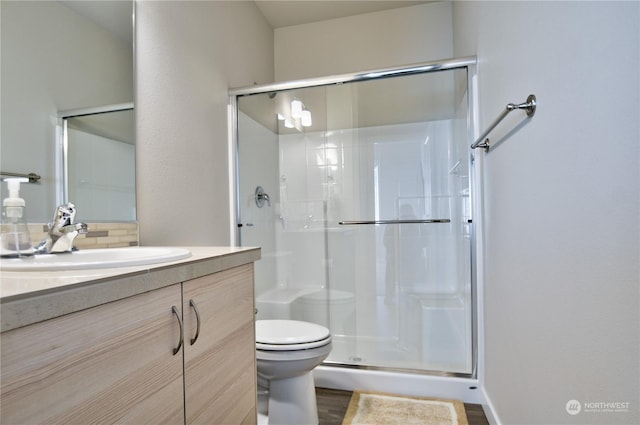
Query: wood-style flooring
[[332, 405]]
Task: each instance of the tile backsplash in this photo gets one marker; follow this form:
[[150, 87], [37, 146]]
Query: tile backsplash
[[99, 235]]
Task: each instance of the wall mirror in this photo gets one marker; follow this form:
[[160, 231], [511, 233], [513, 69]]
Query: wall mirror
[[64, 56]]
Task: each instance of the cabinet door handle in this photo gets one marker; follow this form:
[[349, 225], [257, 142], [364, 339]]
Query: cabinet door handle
[[175, 311], [195, 310]]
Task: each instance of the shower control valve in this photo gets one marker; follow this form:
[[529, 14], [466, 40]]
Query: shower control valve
[[261, 197]]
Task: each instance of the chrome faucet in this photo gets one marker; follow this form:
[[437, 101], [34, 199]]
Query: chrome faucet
[[62, 231]]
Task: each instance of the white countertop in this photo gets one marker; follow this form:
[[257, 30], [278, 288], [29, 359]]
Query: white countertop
[[29, 297]]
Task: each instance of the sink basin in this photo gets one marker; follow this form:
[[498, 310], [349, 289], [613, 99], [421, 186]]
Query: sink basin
[[95, 259]]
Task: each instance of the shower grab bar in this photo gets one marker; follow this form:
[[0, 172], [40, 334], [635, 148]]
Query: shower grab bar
[[437, 220], [33, 177], [529, 106]]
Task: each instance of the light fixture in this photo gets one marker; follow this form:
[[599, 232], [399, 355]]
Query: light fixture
[[280, 117], [305, 119], [296, 108], [288, 124]]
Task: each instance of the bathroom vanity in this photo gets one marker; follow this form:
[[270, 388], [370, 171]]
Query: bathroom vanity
[[166, 343]]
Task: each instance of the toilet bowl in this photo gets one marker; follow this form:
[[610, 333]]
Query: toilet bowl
[[286, 352]]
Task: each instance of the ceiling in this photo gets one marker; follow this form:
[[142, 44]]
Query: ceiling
[[297, 12]]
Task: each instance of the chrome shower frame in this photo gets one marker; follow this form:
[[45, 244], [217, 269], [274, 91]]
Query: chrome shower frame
[[463, 382]]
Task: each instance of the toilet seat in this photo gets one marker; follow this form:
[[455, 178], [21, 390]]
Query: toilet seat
[[290, 335], [292, 347]]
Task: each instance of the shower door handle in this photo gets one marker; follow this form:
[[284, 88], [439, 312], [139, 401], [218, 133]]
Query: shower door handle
[[435, 220]]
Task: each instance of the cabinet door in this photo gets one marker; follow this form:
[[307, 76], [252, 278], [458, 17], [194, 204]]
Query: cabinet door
[[107, 364], [220, 366]]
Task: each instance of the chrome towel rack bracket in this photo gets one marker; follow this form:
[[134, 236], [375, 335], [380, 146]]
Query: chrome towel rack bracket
[[33, 177], [529, 107]]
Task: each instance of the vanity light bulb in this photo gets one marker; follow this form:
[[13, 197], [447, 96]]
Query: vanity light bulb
[[288, 124], [306, 118], [296, 108]]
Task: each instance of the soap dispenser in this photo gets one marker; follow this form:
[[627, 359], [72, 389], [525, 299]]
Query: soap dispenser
[[15, 240]]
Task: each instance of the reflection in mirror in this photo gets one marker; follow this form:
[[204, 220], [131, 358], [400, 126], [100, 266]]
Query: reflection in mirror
[[57, 56], [99, 163]]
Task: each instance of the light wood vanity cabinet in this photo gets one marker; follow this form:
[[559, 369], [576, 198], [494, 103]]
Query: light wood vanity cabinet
[[220, 370], [114, 363], [111, 363]]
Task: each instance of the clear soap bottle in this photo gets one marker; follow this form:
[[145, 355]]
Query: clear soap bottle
[[15, 240]]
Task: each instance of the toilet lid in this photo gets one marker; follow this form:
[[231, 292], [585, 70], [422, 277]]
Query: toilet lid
[[290, 335]]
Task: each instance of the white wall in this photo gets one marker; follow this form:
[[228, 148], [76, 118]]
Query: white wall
[[52, 60], [189, 53], [369, 41], [561, 207]]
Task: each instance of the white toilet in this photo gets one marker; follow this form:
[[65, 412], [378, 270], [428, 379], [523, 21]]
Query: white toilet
[[286, 352]]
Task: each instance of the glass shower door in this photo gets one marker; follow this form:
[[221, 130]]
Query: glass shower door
[[398, 223], [367, 229]]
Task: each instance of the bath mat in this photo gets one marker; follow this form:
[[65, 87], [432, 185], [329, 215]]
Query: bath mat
[[367, 408]]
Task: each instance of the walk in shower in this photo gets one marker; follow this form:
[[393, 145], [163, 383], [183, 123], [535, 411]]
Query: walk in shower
[[358, 189]]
